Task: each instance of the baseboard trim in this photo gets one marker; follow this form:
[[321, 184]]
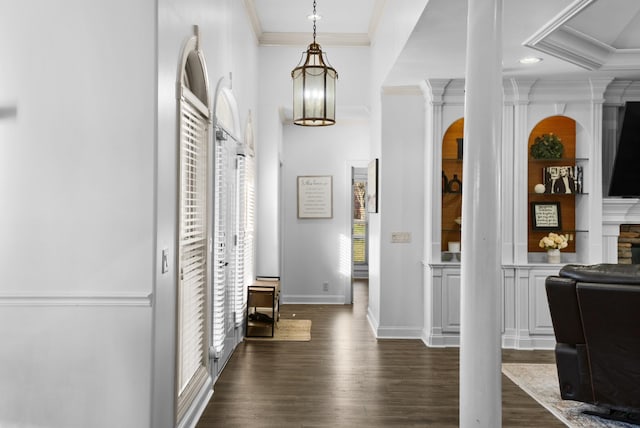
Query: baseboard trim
[[399, 333], [508, 342], [373, 322], [535, 343], [312, 299], [197, 408], [441, 340], [76, 299]]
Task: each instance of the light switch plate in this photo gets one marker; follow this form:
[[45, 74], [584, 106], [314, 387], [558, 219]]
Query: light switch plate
[[165, 260], [400, 237]]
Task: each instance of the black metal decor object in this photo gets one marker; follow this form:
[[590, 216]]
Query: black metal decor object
[[455, 185], [445, 183], [460, 142]]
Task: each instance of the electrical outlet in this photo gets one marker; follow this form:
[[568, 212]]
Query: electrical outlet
[[325, 286]]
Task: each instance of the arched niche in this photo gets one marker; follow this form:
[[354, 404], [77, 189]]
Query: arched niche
[[562, 126], [451, 184], [568, 131]]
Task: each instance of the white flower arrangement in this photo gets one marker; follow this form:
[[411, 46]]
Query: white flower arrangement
[[554, 241]]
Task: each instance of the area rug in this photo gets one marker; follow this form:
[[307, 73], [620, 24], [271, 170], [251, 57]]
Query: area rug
[[288, 330], [540, 381]]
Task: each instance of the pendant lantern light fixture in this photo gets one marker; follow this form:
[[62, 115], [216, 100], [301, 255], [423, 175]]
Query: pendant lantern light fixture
[[314, 86]]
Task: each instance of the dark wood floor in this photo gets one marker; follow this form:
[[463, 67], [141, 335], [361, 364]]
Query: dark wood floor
[[344, 377]]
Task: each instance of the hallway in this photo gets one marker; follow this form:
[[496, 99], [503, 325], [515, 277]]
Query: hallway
[[344, 377]]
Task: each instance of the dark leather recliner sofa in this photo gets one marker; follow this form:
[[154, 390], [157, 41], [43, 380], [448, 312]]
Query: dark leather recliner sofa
[[595, 312]]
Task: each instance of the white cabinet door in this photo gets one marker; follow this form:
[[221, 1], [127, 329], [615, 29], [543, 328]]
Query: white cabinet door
[[451, 300], [539, 315]]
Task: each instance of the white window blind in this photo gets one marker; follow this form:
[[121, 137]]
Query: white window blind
[[240, 230], [245, 233], [219, 246], [192, 253]]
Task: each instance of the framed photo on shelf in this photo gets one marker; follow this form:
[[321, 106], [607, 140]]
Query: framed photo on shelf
[[545, 216], [315, 196], [562, 179]]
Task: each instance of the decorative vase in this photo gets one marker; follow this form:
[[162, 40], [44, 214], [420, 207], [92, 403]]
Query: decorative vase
[[553, 256]]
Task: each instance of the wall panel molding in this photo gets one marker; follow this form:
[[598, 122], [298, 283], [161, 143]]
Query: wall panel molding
[[76, 299]]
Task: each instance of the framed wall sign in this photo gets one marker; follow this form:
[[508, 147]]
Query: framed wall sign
[[315, 196], [545, 216]]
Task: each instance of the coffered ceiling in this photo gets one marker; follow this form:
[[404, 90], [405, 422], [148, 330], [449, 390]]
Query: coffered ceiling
[[594, 34], [572, 37]]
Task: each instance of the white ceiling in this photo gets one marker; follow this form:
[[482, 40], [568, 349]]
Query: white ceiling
[[572, 36]]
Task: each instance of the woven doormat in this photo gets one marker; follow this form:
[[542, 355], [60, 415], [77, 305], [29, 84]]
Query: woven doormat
[[288, 330]]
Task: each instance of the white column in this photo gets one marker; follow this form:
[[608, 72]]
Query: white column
[[434, 90], [521, 92], [480, 351], [598, 87]]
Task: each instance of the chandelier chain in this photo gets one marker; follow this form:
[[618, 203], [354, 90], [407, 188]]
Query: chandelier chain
[[314, 21]]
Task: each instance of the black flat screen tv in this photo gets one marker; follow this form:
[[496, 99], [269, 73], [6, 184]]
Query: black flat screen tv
[[625, 179]]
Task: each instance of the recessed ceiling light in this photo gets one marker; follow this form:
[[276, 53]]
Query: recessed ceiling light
[[530, 60], [316, 17]]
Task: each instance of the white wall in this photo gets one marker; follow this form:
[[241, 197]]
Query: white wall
[[362, 72], [88, 149], [275, 97], [402, 195], [319, 250], [396, 23], [77, 191]]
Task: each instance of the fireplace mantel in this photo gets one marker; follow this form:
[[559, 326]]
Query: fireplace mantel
[[616, 211]]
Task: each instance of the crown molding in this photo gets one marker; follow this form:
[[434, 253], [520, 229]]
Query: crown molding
[[252, 14], [376, 15], [324, 39], [304, 39], [572, 10]]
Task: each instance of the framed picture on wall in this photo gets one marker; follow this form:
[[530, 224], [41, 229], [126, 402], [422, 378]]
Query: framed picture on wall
[[315, 196], [372, 187], [545, 216]]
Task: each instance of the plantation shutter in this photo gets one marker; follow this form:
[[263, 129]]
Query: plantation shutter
[[245, 232], [192, 250], [219, 245]]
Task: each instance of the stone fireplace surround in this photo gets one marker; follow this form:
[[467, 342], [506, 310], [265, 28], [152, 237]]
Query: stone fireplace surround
[[615, 213]]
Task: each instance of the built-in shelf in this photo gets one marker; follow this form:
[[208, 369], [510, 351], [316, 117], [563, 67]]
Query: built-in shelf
[[558, 161], [452, 188], [562, 195]]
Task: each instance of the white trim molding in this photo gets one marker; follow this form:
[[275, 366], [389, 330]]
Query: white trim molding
[[322, 299], [76, 299], [559, 39]]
